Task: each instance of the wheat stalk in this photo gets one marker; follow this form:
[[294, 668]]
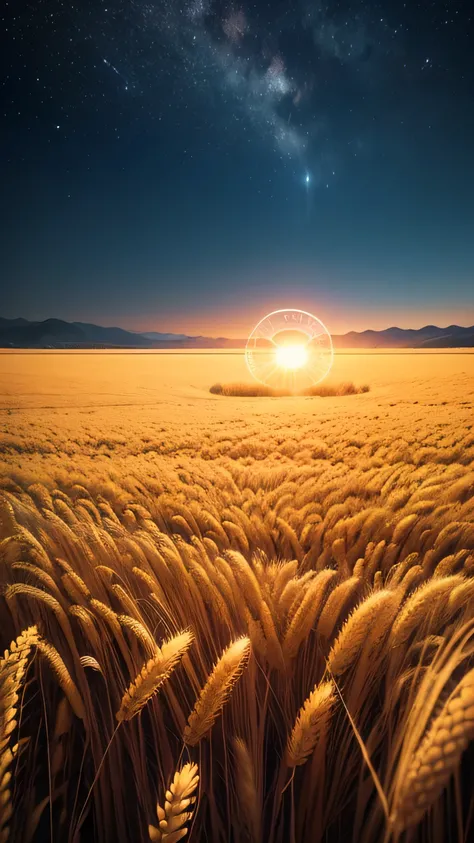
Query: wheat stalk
[[32, 591], [216, 690], [247, 792], [420, 607], [437, 757], [310, 724], [338, 600], [360, 625], [47, 600], [290, 592], [274, 652], [152, 675], [86, 618], [284, 573], [44, 578], [307, 613], [108, 615], [8, 522], [246, 578], [63, 676], [140, 631], [72, 577], [126, 601], [178, 799], [12, 671]]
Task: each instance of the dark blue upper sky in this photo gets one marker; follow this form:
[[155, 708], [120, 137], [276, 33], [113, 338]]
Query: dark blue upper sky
[[191, 165]]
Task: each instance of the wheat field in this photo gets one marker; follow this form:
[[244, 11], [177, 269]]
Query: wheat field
[[236, 619]]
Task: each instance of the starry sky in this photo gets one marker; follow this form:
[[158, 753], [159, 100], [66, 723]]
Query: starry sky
[[189, 165]]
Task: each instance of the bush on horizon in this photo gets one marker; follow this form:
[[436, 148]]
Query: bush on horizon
[[257, 390]]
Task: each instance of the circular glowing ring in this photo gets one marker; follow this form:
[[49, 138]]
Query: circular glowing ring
[[289, 349]]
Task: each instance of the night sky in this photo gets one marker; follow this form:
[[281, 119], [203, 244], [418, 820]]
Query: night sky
[[189, 165]]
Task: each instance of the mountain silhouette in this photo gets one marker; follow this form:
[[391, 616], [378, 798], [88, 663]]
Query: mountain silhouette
[[57, 333]]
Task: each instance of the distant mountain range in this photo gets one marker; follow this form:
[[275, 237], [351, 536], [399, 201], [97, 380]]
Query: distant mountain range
[[55, 333], [428, 337]]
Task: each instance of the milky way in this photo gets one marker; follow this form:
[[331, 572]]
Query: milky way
[[273, 70], [303, 78], [171, 144]]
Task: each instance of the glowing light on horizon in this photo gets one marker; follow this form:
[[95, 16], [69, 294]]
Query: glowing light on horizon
[[291, 356], [291, 349]]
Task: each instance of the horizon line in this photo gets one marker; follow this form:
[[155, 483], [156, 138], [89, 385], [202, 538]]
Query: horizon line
[[222, 336]]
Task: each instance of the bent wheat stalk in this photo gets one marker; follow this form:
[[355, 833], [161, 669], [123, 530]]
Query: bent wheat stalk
[[12, 671], [310, 724], [63, 676], [216, 690], [152, 675], [363, 622], [437, 757]]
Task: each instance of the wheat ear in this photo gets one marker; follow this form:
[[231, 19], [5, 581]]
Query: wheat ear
[[63, 676], [152, 675], [437, 757], [337, 601], [307, 613], [422, 605], [8, 522], [247, 792], [12, 671], [364, 623], [178, 799], [216, 690], [310, 724], [141, 632]]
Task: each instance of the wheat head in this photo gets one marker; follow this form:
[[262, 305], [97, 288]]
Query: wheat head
[[12, 671], [178, 800], [437, 757], [152, 675], [310, 724], [63, 676], [360, 626], [247, 792], [216, 690], [307, 613]]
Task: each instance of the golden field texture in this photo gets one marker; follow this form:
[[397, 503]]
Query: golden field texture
[[236, 619]]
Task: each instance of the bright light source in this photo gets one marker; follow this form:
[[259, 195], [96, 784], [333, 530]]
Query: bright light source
[[291, 356], [289, 348]]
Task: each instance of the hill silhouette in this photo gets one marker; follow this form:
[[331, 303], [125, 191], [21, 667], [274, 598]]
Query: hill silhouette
[[57, 333]]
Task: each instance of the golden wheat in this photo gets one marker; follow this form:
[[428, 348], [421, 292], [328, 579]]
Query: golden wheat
[[324, 537], [63, 676], [140, 632], [12, 671], [247, 790], [437, 757], [307, 614], [152, 675], [311, 723], [216, 690], [179, 799], [359, 627]]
